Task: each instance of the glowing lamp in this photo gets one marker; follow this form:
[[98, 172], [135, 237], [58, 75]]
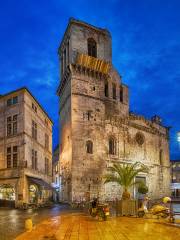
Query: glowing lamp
[[178, 137]]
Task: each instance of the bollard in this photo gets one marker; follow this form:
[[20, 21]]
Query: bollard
[[28, 225]]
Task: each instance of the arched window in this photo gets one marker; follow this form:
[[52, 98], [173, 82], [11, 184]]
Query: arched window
[[112, 146], [106, 89], [114, 91], [92, 47], [89, 147], [121, 94]]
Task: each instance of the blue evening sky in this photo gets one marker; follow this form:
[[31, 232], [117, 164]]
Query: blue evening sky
[[146, 51]]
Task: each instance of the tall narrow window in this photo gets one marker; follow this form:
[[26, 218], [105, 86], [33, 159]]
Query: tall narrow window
[[15, 100], [9, 102], [34, 130], [9, 126], [114, 91], [160, 157], [46, 141], [9, 157], [106, 89], [15, 156], [89, 115], [46, 166], [92, 47], [89, 147], [112, 146], [14, 124], [34, 159], [64, 59], [121, 94]]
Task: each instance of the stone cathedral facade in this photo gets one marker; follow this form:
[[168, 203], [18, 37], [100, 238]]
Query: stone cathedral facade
[[96, 127]]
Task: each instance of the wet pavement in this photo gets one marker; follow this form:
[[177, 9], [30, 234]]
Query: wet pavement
[[52, 223], [79, 226], [12, 220]]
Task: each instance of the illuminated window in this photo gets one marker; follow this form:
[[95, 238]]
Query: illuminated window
[[92, 47], [112, 146], [89, 147]]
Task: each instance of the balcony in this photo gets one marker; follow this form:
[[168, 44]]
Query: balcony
[[92, 63]]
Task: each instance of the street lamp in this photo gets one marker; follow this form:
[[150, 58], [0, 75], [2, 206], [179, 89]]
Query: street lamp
[[178, 137]]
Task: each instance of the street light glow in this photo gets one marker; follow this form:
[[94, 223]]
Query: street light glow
[[178, 137]]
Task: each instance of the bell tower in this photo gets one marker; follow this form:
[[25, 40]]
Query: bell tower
[[90, 92]]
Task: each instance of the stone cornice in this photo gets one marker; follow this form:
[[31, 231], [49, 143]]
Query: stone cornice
[[127, 121]]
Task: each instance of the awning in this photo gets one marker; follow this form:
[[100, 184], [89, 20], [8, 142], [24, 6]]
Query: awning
[[40, 182]]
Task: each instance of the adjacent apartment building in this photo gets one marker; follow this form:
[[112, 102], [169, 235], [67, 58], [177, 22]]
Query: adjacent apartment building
[[175, 172], [25, 150], [96, 127]]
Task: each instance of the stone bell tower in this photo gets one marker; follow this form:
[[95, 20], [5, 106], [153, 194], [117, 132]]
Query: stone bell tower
[[90, 91]]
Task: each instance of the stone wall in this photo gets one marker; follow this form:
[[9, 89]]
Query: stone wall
[[87, 114]]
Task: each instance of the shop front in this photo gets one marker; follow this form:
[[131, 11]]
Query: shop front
[[175, 188], [39, 191], [7, 195]]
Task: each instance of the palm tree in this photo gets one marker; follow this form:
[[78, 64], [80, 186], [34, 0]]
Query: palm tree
[[124, 174]]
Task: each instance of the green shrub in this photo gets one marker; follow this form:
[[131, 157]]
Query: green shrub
[[142, 188]]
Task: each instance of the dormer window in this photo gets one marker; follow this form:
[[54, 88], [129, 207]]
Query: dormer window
[[92, 47]]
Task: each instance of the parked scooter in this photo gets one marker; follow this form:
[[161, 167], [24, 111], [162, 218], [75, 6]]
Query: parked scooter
[[159, 210], [99, 210]]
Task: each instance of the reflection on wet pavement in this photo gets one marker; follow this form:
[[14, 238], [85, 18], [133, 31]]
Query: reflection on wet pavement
[[59, 222], [83, 227], [12, 220]]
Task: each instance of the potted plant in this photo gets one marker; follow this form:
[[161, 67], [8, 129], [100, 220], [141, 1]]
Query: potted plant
[[124, 174], [142, 188]]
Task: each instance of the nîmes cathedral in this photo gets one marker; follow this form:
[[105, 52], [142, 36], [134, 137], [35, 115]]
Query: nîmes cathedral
[[97, 128]]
